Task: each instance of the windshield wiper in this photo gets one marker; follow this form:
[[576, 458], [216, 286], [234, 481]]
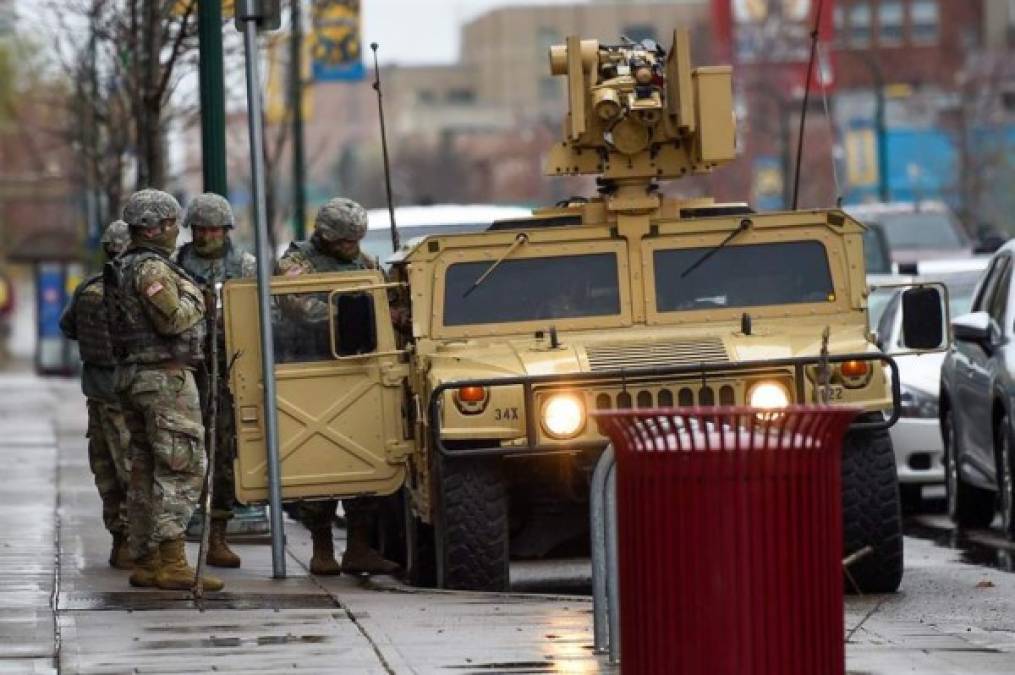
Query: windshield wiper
[[745, 224], [519, 240]]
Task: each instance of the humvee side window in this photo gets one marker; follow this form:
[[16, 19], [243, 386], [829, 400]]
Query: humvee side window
[[532, 289], [743, 276], [301, 330]]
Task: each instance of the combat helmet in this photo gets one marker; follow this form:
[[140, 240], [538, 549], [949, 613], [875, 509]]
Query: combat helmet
[[209, 210], [341, 218], [116, 237], [148, 208]]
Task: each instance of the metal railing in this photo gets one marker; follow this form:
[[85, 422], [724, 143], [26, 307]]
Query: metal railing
[[605, 578]]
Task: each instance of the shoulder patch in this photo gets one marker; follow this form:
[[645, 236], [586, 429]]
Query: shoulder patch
[[153, 288]]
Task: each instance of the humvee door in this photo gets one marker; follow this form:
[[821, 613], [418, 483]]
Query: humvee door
[[338, 382]]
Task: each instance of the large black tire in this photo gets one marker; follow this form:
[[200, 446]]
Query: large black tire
[[472, 525], [968, 505], [871, 512]]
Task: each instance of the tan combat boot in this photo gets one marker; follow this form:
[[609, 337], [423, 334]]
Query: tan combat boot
[[359, 556], [119, 555], [174, 574], [323, 560], [145, 569], [219, 553]]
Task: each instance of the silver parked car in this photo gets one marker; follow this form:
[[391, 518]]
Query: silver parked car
[[977, 402], [916, 437]]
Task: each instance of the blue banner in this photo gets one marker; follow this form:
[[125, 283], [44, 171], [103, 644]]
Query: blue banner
[[335, 41]]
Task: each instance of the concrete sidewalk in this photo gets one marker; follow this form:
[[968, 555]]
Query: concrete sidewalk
[[63, 609]]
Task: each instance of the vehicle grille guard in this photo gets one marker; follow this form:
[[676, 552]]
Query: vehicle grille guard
[[630, 376]]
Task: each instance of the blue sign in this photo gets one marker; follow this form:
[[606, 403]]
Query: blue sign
[[335, 41]]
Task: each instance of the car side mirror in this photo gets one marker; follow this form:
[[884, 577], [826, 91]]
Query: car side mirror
[[355, 326], [974, 327], [923, 318]]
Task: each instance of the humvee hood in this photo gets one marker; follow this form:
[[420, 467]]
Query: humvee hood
[[640, 349]]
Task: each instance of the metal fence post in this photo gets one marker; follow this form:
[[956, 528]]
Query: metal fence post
[[612, 564], [597, 522]]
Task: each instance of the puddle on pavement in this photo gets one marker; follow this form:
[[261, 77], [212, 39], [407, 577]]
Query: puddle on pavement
[[515, 667], [142, 601], [971, 551], [213, 641]]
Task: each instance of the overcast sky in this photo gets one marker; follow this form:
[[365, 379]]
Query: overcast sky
[[408, 31], [426, 31]]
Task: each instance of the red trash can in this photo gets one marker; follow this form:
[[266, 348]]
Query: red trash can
[[730, 539]]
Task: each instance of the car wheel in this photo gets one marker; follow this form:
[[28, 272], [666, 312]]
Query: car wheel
[[968, 505], [1006, 483]]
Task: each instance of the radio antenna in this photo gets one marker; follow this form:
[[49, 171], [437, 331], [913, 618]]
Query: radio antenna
[[384, 150], [807, 96]]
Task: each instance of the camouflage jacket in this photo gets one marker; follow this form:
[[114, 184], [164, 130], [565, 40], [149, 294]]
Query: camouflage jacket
[[303, 257], [155, 309]]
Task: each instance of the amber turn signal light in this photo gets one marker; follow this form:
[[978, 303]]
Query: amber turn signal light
[[472, 394], [854, 369]]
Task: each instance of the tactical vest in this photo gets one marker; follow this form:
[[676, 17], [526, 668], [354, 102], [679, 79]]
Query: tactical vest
[[92, 326], [134, 338], [321, 262], [229, 266]]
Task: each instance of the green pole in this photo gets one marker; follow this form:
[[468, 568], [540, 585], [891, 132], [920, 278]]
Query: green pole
[[296, 103], [213, 105]]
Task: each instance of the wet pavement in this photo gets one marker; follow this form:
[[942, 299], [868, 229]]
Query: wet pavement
[[63, 609]]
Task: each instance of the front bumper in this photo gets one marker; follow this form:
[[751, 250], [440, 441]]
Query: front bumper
[[631, 377], [919, 451]]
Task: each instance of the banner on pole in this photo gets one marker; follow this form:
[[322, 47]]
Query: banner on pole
[[335, 41]]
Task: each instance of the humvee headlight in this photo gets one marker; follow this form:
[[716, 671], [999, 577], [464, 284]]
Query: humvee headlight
[[563, 415], [768, 395]]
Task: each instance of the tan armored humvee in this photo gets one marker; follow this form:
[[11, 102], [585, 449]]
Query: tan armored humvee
[[479, 421]]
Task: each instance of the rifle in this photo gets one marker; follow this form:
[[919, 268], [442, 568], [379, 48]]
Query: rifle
[[209, 476]]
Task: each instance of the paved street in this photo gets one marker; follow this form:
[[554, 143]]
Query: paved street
[[62, 609]]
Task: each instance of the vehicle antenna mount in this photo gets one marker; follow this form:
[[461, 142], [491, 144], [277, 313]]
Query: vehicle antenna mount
[[395, 245]]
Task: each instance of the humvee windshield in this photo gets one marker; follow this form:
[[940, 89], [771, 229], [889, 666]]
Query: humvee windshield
[[743, 276], [532, 289]]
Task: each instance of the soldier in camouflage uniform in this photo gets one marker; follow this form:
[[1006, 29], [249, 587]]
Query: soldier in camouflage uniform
[[84, 320], [334, 247], [211, 258], [156, 320]]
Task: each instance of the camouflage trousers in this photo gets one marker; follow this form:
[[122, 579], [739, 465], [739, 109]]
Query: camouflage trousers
[[223, 490], [163, 413], [108, 442]]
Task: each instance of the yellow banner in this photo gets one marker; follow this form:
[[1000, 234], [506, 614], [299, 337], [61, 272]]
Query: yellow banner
[[276, 104]]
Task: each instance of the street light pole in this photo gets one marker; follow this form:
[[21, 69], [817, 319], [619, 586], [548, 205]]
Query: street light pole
[[212, 89], [296, 101], [248, 12]]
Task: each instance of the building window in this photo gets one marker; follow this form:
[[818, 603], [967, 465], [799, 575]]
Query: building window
[[859, 24], [425, 96], [461, 96], [924, 21], [640, 31], [890, 22]]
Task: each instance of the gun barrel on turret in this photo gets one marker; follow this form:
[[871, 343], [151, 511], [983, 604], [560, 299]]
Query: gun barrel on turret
[[636, 111]]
